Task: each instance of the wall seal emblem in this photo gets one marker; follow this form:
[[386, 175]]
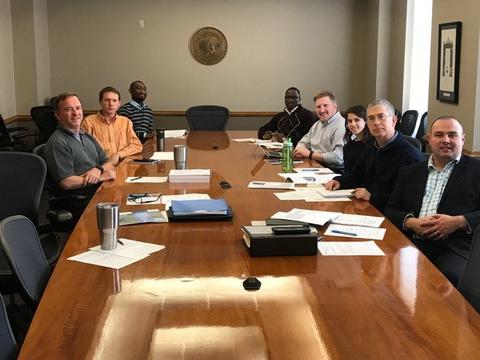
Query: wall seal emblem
[[208, 46]]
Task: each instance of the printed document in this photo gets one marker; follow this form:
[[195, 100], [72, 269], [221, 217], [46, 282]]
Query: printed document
[[308, 216], [146, 179], [360, 232], [361, 220], [355, 248]]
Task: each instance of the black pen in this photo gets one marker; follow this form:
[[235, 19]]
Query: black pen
[[120, 242], [136, 178], [343, 232]]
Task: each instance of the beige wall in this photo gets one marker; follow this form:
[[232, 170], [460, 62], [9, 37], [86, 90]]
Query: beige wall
[[7, 83], [466, 110], [312, 44]]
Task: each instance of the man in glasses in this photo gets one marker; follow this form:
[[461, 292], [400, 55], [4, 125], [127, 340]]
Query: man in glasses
[[137, 111], [324, 141], [293, 122], [437, 203], [374, 174], [76, 162]]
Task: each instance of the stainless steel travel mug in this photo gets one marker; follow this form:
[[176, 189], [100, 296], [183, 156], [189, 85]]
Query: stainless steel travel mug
[[160, 139], [107, 223], [180, 157]]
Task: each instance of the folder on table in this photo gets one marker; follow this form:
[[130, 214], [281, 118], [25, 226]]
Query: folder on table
[[201, 209]]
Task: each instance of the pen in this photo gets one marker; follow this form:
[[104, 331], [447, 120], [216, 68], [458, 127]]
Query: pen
[[120, 242], [343, 232], [136, 178]]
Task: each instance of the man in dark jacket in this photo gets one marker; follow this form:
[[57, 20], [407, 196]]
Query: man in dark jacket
[[374, 174], [437, 203], [293, 122]]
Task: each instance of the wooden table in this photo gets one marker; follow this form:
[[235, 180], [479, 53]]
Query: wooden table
[[187, 301]]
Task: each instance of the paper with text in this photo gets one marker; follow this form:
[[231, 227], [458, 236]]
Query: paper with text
[[359, 232], [354, 248]]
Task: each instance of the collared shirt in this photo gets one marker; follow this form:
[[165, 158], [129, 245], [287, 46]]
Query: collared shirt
[[139, 106], [436, 182], [292, 111], [392, 139], [115, 137], [327, 138], [140, 115]]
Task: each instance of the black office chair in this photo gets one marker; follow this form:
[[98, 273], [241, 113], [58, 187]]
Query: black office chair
[[8, 345], [208, 117], [20, 241], [408, 122], [45, 120], [422, 130], [413, 141], [15, 138], [470, 280], [21, 184]]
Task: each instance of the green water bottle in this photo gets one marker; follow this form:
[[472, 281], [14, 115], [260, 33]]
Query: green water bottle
[[287, 156]]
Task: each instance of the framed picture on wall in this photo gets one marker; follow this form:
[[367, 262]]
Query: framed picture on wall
[[448, 72]]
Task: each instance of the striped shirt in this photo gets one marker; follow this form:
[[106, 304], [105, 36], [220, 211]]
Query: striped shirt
[[115, 137], [436, 182], [141, 116]]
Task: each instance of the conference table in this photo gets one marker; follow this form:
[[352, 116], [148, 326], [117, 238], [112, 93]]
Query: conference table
[[187, 300]]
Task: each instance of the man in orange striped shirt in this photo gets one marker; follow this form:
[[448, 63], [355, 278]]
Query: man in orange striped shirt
[[113, 132]]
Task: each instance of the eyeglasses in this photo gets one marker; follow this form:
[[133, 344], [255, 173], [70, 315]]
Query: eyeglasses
[[381, 117], [144, 198]]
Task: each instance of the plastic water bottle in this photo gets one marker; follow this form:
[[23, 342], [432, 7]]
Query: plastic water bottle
[[287, 156]]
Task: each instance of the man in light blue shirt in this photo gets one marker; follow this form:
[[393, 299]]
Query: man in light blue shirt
[[324, 141]]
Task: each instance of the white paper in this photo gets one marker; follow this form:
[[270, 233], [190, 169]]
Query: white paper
[[258, 222], [103, 259], [148, 199], [250, 140], [131, 249], [335, 193], [319, 170], [174, 133], [307, 194], [354, 248], [146, 179], [162, 155], [190, 172], [308, 216], [358, 232], [272, 145], [362, 220], [307, 178], [270, 185]]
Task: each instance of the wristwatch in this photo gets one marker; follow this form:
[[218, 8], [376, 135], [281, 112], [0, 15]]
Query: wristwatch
[[310, 155], [99, 168]]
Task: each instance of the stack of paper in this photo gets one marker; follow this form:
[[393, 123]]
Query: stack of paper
[[270, 185], [199, 207], [126, 253], [336, 193], [307, 178], [189, 175], [319, 170], [307, 216]]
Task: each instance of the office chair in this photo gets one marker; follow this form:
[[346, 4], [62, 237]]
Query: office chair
[[207, 117], [408, 122], [468, 284], [8, 345], [45, 120], [14, 138], [413, 141], [422, 130], [21, 243], [21, 184]]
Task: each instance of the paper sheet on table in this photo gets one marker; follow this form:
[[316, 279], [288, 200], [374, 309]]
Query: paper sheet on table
[[106, 260], [174, 133], [354, 248], [310, 170], [307, 178], [345, 193], [146, 179], [167, 199], [131, 249], [148, 199], [162, 155], [361, 220], [270, 185], [251, 140], [307, 194], [308, 216], [258, 222], [361, 232]]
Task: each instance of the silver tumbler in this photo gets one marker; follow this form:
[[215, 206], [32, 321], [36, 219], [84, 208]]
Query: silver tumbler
[[160, 139], [107, 223], [180, 157]]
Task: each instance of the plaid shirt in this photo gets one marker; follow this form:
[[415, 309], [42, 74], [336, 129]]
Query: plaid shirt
[[436, 182]]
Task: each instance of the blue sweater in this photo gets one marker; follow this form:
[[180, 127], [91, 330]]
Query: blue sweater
[[377, 169]]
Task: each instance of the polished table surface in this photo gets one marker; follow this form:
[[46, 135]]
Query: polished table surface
[[187, 301]]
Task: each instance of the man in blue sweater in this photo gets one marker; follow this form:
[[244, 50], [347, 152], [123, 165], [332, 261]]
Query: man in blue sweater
[[373, 176]]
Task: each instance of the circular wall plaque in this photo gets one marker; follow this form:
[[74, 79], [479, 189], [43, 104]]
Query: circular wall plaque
[[208, 46]]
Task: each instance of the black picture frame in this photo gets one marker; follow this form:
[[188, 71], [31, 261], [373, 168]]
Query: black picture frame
[[448, 71]]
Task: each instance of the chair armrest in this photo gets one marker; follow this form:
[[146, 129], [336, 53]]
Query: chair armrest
[[11, 129]]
